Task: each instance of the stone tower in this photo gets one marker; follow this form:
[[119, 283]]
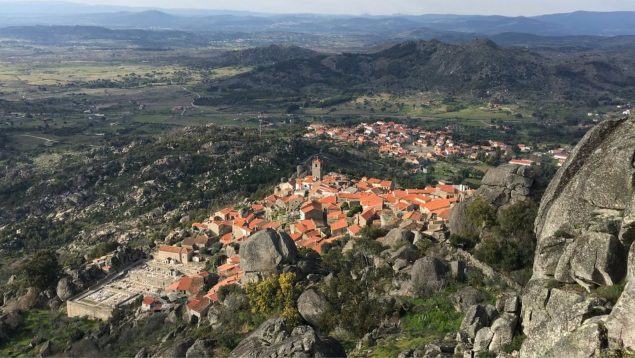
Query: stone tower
[[316, 169]]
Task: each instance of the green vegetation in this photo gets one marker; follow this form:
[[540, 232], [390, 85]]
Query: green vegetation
[[276, 295], [481, 213], [433, 316], [515, 344], [356, 307], [354, 210], [102, 249], [505, 241], [511, 243], [41, 269], [518, 219], [425, 320], [41, 325], [611, 293]]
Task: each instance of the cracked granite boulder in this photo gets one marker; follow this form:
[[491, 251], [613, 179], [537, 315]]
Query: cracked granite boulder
[[585, 228], [598, 176]]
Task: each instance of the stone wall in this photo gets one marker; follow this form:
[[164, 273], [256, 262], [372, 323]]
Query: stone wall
[[80, 309], [486, 269]]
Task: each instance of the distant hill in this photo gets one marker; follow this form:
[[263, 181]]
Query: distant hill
[[92, 35], [62, 13], [593, 23], [262, 56], [478, 66]]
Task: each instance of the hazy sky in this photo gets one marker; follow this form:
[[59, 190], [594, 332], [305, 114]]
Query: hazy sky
[[375, 7]]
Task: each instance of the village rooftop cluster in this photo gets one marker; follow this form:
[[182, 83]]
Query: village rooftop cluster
[[314, 210], [419, 147]]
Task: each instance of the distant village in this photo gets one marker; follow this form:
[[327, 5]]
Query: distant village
[[419, 146], [313, 208]]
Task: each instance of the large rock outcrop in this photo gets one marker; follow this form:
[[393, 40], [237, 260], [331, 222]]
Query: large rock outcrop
[[584, 229], [273, 339], [312, 306], [428, 276], [265, 253], [501, 186], [397, 237]]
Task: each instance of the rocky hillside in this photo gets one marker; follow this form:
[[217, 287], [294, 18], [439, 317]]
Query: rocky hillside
[[393, 291], [135, 188]]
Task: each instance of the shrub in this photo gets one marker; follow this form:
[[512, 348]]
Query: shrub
[[518, 218], [277, 294], [476, 278], [465, 242], [423, 245], [481, 213], [611, 293], [225, 291], [515, 344], [507, 255], [102, 249]]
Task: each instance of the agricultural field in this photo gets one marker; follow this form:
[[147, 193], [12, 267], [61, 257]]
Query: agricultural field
[[53, 102]]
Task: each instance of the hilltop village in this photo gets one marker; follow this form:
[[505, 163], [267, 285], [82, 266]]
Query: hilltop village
[[314, 209], [419, 146]]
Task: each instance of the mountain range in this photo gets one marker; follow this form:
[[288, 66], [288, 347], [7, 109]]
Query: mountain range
[[479, 67], [65, 13]]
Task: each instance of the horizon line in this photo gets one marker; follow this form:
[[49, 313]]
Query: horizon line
[[120, 8]]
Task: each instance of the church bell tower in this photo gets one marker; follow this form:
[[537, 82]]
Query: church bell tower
[[316, 169]]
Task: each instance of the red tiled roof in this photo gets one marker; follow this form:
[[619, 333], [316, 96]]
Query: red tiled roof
[[372, 200], [341, 224], [310, 224], [190, 284], [437, 204], [199, 304], [368, 213], [148, 300], [328, 200], [310, 207], [444, 214], [172, 249], [355, 229], [272, 225], [227, 238], [336, 215], [199, 226], [201, 240], [447, 188], [228, 281]]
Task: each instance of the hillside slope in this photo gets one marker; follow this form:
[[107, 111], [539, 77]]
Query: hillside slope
[[479, 67]]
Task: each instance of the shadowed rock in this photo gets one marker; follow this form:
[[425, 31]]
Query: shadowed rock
[[273, 339]]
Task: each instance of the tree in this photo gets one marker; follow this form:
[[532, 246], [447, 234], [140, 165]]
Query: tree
[[518, 218], [42, 270], [548, 166], [481, 213], [354, 210]]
